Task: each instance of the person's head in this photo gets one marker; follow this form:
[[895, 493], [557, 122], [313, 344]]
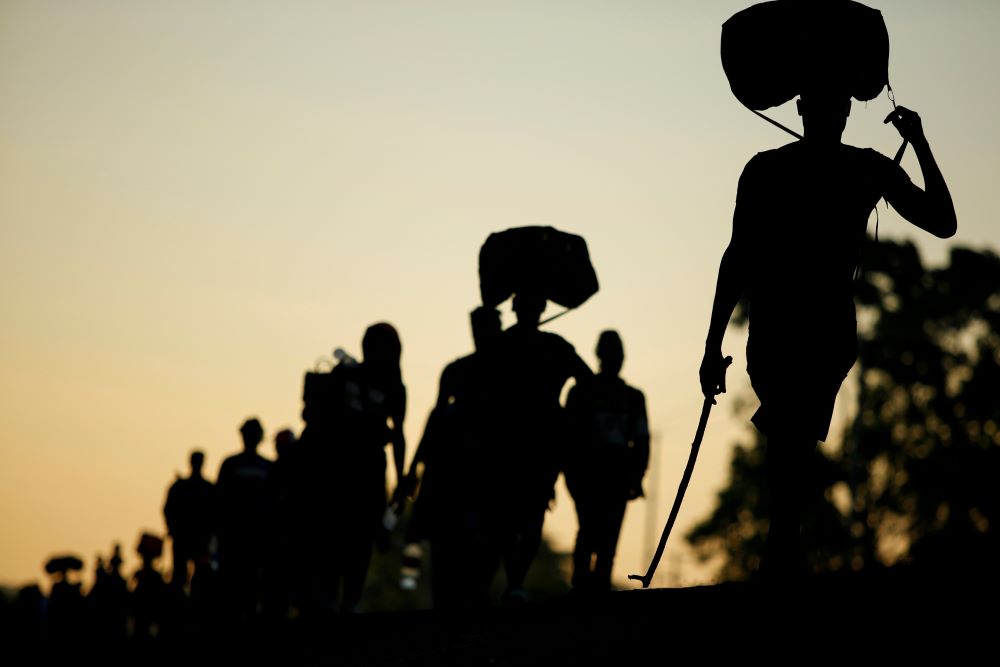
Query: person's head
[[485, 326], [824, 114], [611, 352], [116, 558], [529, 308], [197, 461], [283, 441], [252, 433], [382, 349]]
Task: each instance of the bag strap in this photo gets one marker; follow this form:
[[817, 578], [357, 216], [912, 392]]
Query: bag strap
[[777, 124]]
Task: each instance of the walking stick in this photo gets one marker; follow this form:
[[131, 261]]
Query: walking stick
[[706, 409]]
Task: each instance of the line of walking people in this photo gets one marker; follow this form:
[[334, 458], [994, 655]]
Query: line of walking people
[[272, 540], [298, 534]]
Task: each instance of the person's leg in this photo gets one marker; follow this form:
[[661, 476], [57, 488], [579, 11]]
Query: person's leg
[[446, 572], [787, 458], [361, 510], [485, 563], [585, 547], [358, 556], [611, 516], [524, 545], [178, 577]]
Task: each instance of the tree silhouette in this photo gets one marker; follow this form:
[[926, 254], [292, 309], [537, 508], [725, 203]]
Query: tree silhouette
[[912, 480]]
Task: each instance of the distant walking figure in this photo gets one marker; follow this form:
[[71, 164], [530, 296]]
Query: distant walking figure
[[526, 427], [455, 484], [246, 521], [150, 599], [800, 219], [530, 368], [289, 578], [190, 514], [606, 461], [351, 414], [108, 600]]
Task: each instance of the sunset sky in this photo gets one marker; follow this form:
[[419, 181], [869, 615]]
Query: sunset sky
[[198, 199]]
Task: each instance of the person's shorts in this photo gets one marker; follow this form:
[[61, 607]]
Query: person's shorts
[[800, 397]]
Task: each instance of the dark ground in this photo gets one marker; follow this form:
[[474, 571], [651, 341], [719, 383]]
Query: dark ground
[[848, 616], [888, 618]]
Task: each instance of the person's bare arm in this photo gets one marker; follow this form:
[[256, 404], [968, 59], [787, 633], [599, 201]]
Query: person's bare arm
[[728, 290], [930, 209], [580, 371], [398, 441], [427, 443], [640, 442]]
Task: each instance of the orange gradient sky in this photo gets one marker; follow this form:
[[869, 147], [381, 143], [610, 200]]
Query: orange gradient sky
[[199, 199]]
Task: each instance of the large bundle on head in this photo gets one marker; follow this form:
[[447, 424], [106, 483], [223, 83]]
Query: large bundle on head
[[63, 564], [541, 260], [773, 51]]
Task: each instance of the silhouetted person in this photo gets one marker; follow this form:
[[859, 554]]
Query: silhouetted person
[[246, 498], [150, 595], [28, 615], [361, 410], [292, 521], [448, 511], [529, 369], [284, 443], [800, 219], [107, 601], [65, 615], [190, 513], [606, 462]]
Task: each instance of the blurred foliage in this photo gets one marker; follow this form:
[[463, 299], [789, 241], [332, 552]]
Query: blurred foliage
[[913, 481]]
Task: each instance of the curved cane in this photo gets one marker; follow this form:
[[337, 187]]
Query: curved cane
[[706, 409]]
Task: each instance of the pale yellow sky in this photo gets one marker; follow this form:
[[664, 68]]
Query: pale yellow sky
[[199, 199]]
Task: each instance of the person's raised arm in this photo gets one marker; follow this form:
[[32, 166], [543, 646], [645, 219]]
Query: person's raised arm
[[930, 209]]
